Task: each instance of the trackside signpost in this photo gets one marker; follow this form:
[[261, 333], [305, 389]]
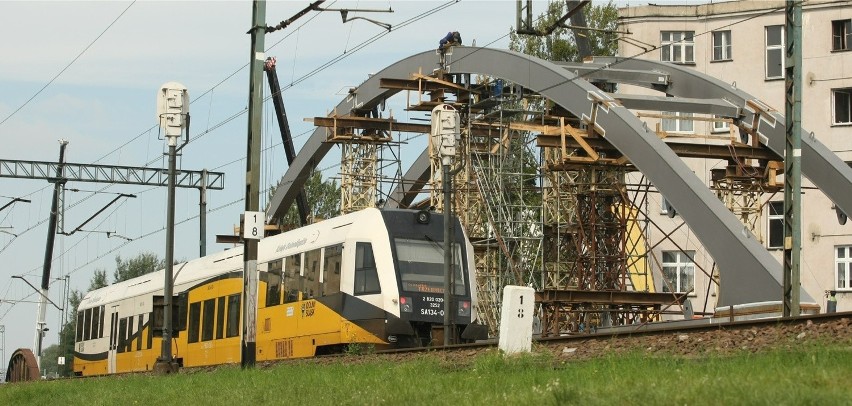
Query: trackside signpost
[[516, 319]]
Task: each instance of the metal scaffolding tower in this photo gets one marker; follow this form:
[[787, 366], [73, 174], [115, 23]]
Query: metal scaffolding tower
[[369, 159]]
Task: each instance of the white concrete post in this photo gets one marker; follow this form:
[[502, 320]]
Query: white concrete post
[[516, 319]]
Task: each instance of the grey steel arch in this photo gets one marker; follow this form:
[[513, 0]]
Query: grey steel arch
[[751, 274], [822, 166]]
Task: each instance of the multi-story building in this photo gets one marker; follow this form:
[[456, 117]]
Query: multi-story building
[[742, 43]]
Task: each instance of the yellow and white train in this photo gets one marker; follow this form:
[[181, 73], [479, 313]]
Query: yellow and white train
[[369, 277]]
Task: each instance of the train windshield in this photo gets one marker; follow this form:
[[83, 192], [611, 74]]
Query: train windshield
[[421, 266]]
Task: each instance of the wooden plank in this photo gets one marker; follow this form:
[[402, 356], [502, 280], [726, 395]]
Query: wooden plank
[[577, 137]]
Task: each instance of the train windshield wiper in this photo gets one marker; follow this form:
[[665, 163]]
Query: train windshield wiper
[[435, 244]]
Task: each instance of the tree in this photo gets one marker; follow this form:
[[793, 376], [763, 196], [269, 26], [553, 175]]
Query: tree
[[561, 44], [99, 280], [49, 361], [142, 264], [323, 199]]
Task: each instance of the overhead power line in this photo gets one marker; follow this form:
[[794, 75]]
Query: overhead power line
[[69, 64]]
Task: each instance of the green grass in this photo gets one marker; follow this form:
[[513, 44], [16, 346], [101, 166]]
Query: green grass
[[807, 375]]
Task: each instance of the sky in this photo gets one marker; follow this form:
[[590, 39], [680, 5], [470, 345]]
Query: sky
[[88, 72]]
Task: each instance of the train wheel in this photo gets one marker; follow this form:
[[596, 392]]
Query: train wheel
[[22, 366]]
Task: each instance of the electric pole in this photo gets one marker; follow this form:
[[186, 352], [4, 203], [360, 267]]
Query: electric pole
[[58, 183], [792, 158], [252, 200]]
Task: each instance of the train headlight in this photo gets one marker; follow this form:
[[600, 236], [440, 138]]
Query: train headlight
[[423, 217], [464, 308], [405, 305]]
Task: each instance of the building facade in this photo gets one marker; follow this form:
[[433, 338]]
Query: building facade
[[742, 43]]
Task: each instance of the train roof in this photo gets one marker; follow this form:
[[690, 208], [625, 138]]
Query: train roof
[[317, 234]]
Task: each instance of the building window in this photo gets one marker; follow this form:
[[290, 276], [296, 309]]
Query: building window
[[722, 46], [666, 207], [677, 122], [842, 100], [843, 265], [677, 46], [776, 225], [721, 126], [775, 52], [678, 271], [841, 35]]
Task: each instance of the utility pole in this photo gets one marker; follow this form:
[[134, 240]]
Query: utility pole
[[173, 116], [445, 130], [252, 200], [792, 158], [202, 216], [2, 348], [58, 183]]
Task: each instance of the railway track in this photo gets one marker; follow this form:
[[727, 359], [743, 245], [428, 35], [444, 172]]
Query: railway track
[[690, 339], [693, 337]]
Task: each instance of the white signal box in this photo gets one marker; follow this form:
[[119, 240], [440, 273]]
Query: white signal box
[[516, 319], [172, 108], [253, 222], [445, 132]]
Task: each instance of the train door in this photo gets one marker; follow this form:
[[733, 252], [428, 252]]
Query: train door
[[113, 339]]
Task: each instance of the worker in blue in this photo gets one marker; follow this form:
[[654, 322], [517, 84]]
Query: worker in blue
[[452, 38]]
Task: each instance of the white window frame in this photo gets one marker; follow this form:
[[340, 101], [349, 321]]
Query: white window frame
[[683, 265], [682, 124], [841, 35], [665, 206], [677, 46], [720, 126], [722, 42], [774, 218], [847, 95], [843, 267], [774, 47]]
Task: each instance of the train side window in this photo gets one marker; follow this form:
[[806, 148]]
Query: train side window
[[122, 335], [194, 321], [366, 276], [139, 334], [101, 323], [311, 288], [273, 285], [129, 341], [150, 331], [209, 316], [233, 315], [87, 324], [80, 327], [292, 269], [220, 318], [96, 318], [331, 269]]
